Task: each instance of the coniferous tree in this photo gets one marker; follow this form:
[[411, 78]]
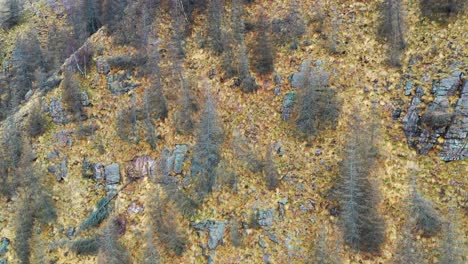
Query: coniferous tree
[[263, 49], [440, 9], [392, 29], [113, 12], [363, 227], [157, 105], [427, 220], [207, 150], [247, 81], [324, 252], [26, 59], [13, 13], [37, 123], [318, 105], [245, 153], [178, 29], [58, 50], [214, 29], [270, 171], [111, 251], [238, 20], [183, 116], [71, 95], [452, 244], [408, 251], [168, 231], [24, 230]]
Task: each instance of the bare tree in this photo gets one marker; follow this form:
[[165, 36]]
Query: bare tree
[[263, 50], [215, 33], [452, 244], [111, 251]]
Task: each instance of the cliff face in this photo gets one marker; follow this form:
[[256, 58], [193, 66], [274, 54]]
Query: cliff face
[[113, 161]]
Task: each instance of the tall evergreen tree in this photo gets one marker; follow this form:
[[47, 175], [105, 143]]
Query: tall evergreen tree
[[157, 105], [207, 150], [452, 250], [408, 251], [318, 106], [111, 251], [214, 29], [263, 50], [392, 29], [26, 59], [247, 81], [363, 227], [12, 13]]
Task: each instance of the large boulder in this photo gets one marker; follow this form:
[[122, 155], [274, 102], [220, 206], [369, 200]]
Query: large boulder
[[121, 82], [442, 121], [215, 231], [455, 145], [143, 166]]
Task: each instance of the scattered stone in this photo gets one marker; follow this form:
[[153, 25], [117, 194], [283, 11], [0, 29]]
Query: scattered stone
[[396, 113], [112, 173], [51, 169], [278, 79], [279, 149], [28, 95], [273, 237], [85, 99], [288, 105], [3, 261], [53, 155], [318, 152], [265, 218], [63, 168], [408, 87], [277, 90], [71, 232], [102, 66], [4, 243], [64, 138], [212, 74], [87, 169], [57, 113], [135, 208], [261, 242]]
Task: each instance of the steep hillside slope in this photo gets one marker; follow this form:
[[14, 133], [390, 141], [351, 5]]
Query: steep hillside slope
[[287, 220]]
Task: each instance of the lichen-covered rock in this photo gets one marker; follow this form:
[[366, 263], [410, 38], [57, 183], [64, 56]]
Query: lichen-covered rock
[[112, 173], [215, 231], [143, 166], [455, 144], [57, 113], [121, 83], [441, 119], [85, 99], [265, 218], [288, 105], [447, 86]]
